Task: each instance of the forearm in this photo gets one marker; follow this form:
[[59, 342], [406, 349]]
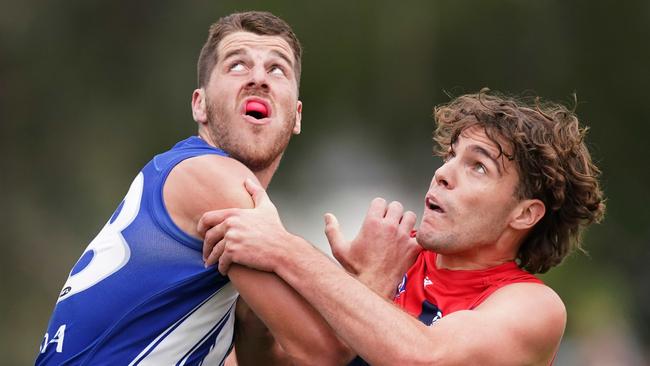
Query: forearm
[[296, 326], [254, 343], [371, 325]]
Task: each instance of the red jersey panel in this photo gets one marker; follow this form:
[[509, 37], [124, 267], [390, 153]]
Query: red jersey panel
[[429, 293]]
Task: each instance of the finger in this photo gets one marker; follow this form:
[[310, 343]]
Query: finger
[[415, 247], [408, 222], [394, 212], [333, 233], [216, 253], [257, 192], [211, 238], [224, 263], [377, 208], [213, 218]]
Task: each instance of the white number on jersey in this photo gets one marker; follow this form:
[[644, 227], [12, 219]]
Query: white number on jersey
[[109, 249]]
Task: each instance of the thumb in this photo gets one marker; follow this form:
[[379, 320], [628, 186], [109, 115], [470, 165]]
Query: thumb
[[333, 233], [258, 194]]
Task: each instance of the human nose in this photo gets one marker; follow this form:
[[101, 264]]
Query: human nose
[[258, 78], [444, 175]]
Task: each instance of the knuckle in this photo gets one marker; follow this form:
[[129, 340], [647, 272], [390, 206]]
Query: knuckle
[[374, 221], [391, 230], [209, 237], [336, 252], [228, 236], [231, 236], [372, 225]]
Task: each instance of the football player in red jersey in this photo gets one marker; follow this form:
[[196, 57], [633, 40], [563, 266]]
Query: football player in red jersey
[[515, 191]]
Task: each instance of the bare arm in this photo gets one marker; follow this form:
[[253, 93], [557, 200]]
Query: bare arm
[[212, 182], [519, 324], [254, 343]]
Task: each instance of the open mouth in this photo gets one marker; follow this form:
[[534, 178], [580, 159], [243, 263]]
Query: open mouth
[[256, 109], [434, 206]]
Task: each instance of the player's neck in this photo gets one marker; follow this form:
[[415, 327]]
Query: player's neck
[[474, 260], [265, 175]]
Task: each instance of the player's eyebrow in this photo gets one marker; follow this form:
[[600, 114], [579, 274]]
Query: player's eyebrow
[[241, 51], [235, 52], [482, 151], [283, 56]]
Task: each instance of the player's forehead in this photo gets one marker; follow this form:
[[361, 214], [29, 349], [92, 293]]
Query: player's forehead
[[247, 42], [476, 135], [475, 138]]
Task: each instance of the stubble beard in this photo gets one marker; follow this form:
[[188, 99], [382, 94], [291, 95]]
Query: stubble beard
[[471, 235], [256, 155], [439, 243]]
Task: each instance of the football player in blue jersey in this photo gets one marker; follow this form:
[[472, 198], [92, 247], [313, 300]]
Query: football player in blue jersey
[[140, 293]]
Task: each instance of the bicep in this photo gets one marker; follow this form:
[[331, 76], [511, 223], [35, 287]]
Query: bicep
[[201, 184]]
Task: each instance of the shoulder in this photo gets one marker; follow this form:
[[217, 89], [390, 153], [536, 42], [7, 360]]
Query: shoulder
[[528, 295], [205, 183], [208, 174], [533, 312]]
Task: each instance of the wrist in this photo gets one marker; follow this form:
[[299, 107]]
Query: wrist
[[382, 284], [298, 258], [286, 257]]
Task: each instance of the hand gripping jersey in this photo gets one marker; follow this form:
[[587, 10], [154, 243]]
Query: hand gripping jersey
[[139, 294], [429, 293]]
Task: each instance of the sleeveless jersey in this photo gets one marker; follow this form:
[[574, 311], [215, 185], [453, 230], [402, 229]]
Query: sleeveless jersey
[[139, 294], [429, 293]]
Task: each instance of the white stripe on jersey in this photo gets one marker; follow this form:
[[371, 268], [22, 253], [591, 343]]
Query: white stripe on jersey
[[177, 341], [218, 353]]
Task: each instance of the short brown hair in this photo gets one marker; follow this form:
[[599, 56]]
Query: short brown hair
[[257, 22], [552, 160]]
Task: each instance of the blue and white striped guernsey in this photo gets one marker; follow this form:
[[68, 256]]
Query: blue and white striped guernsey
[[139, 294]]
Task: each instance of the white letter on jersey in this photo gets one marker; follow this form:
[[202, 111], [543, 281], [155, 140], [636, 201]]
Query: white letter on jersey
[[46, 338], [58, 339], [110, 250]]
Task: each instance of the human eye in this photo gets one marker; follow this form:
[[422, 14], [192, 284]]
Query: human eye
[[237, 66], [277, 70], [479, 168]]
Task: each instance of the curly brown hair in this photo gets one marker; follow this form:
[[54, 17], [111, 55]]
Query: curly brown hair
[[258, 22], [547, 146]]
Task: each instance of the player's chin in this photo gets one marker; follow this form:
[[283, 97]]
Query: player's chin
[[424, 237]]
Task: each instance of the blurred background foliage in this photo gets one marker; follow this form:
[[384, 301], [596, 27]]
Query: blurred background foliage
[[89, 91]]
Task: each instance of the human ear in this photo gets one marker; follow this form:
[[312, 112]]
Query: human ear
[[528, 213], [199, 112], [297, 126]]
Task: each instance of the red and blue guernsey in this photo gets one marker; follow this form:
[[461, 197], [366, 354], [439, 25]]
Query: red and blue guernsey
[[429, 293], [139, 294]]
